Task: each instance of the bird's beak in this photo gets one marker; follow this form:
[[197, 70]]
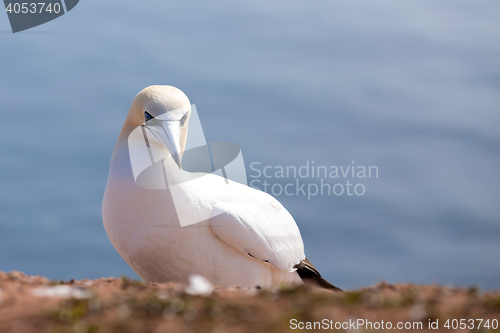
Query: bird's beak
[[168, 133]]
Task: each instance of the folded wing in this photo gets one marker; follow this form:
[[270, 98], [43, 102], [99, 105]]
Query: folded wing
[[264, 231]]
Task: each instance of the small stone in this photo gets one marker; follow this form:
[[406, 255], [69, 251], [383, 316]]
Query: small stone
[[198, 285], [62, 291]]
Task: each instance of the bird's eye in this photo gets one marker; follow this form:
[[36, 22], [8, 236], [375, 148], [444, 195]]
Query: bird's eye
[[147, 116], [183, 119]]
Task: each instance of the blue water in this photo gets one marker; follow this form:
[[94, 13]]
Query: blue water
[[410, 87]]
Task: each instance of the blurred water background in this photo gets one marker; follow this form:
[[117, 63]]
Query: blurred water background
[[412, 87]]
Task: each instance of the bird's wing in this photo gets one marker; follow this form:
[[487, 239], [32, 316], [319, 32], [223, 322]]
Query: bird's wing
[[264, 231]]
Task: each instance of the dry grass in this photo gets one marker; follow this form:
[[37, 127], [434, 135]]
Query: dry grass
[[124, 306]]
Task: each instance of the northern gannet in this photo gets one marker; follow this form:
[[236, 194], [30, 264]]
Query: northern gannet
[[249, 240]]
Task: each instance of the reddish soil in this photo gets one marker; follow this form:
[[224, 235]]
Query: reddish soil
[[120, 305]]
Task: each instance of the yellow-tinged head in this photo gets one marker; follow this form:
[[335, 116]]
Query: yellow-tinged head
[[165, 112]]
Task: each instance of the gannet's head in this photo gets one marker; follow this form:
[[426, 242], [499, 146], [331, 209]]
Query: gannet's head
[[165, 112]]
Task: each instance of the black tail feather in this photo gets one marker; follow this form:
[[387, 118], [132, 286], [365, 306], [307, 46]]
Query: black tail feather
[[309, 274]]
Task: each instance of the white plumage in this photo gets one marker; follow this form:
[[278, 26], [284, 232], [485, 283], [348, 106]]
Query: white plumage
[[249, 240]]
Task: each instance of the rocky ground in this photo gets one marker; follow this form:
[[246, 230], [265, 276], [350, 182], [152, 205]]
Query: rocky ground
[[30, 304]]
